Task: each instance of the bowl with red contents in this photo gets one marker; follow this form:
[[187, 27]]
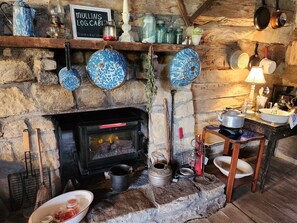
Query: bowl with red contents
[[69, 207]]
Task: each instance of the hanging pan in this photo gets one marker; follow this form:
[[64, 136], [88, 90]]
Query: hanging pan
[[262, 17], [278, 18], [107, 68], [254, 59], [69, 77], [184, 67]]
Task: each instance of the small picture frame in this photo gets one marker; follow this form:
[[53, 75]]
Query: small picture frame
[[87, 22]]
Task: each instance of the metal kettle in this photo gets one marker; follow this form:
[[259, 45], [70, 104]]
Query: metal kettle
[[23, 18], [231, 118], [159, 173], [291, 107]]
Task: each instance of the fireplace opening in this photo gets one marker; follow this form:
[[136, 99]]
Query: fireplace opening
[[91, 142]]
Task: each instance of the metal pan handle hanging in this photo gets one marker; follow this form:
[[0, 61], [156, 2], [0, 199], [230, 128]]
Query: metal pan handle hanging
[[262, 17]]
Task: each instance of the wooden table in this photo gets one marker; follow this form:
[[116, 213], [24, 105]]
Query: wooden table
[[247, 136], [272, 132]]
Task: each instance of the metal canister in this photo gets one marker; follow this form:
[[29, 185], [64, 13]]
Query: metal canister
[[109, 31]]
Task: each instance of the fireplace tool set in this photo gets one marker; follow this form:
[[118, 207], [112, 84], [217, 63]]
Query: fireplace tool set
[[23, 186]]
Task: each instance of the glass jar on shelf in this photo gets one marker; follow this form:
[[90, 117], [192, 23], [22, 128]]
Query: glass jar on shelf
[[179, 35], [148, 28], [160, 31], [170, 36]]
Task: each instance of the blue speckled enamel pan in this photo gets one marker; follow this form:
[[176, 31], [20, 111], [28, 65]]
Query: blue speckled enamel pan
[[69, 77], [184, 67], [107, 69]]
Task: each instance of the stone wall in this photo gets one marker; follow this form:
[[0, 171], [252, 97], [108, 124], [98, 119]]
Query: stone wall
[[29, 90]]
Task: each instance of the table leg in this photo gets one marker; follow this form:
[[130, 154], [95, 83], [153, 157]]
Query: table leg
[[232, 172], [226, 147], [258, 165], [269, 153]]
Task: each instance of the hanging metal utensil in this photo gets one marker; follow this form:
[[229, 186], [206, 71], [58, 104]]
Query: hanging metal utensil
[[172, 124], [262, 17], [44, 193], [26, 149], [69, 77], [166, 130]]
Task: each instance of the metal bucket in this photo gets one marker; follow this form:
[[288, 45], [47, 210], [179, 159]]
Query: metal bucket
[[119, 176]]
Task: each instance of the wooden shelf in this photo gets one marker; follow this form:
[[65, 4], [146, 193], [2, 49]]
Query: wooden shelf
[[53, 43]]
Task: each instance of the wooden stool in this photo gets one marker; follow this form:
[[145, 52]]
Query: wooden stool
[[245, 137]]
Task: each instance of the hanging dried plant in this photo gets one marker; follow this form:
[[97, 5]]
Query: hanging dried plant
[[150, 87]]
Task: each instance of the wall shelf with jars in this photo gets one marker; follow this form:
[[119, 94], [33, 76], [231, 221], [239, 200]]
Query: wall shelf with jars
[[58, 43]]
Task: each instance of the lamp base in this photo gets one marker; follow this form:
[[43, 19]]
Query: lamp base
[[250, 112]]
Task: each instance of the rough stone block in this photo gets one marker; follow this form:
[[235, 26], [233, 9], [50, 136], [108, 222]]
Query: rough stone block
[[157, 128], [46, 124], [184, 109], [52, 98], [14, 71], [14, 102], [77, 57], [132, 92], [47, 78], [38, 53], [48, 64], [90, 96], [13, 129]]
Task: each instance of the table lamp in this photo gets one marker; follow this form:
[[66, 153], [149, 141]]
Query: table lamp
[[255, 76]]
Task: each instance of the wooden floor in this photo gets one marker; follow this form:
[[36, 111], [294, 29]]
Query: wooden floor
[[278, 202]]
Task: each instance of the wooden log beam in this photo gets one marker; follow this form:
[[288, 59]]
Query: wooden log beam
[[183, 12], [202, 8]]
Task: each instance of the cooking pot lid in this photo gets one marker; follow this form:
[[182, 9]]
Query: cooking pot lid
[[107, 69], [184, 67]]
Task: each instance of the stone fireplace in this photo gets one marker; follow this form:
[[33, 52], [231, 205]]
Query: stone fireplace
[[94, 141], [31, 97]]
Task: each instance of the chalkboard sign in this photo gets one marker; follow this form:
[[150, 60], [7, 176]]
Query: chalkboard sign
[[87, 22]]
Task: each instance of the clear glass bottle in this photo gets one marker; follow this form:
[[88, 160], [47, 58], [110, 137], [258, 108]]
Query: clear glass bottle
[[179, 36], [149, 28], [170, 37], [160, 31]]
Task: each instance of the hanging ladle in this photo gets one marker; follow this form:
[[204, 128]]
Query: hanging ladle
[[69, 77]]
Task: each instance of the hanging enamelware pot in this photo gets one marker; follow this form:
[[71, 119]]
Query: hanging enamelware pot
[[107, 68], [69, 77], [184, 67], [23, 18]]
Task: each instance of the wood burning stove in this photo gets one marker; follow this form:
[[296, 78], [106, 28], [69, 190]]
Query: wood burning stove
[[103, 144], [94, 141]]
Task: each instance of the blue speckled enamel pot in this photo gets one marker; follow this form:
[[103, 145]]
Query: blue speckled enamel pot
[[107, 69], [23, 17], [69, 79], [184, 67]]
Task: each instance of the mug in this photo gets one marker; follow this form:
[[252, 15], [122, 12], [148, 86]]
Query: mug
[[268, 66]]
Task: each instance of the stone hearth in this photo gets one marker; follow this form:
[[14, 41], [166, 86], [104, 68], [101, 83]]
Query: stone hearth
[[179, 202]]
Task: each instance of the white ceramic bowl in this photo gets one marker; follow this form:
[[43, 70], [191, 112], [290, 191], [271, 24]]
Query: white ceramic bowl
[[280, 117], [243, 168], [84, 198]]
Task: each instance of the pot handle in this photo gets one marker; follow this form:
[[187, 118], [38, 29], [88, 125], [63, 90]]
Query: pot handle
[[67, 55], [277, 5], [6, 17], [219, 116], [107, 46]]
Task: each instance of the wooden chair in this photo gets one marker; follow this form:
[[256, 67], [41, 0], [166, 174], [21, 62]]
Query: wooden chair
[[247, 136]]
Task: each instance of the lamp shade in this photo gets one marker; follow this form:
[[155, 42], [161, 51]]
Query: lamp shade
[[256, 76]]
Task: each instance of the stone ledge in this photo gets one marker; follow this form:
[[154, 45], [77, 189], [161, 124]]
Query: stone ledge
[[178, 202]]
